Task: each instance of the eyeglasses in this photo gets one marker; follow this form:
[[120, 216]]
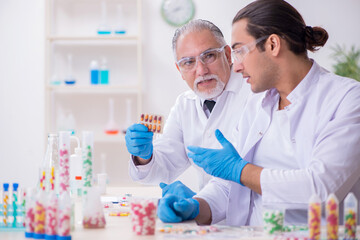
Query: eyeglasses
[[188, 64], [240, 53]]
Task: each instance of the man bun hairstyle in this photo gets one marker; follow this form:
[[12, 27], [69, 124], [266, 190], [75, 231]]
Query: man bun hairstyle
[[266, 17]]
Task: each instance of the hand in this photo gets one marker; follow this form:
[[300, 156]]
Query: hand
[[224, 163], [139, 141], [172, 209], [177, 188]]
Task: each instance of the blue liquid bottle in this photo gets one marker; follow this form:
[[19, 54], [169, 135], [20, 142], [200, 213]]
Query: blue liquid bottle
[[94, 72], [104, 72]]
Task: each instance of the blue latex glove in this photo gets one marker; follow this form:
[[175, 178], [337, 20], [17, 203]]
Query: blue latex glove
[[172, 209], [139, 141], [224, 163], [177, 188]]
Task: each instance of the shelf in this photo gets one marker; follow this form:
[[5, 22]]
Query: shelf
[[95, 39], [94, 89]]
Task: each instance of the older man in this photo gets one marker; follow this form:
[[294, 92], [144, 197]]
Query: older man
[[215, 101]]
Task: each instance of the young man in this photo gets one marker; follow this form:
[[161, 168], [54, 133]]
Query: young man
[[204, 61], [300, 139]]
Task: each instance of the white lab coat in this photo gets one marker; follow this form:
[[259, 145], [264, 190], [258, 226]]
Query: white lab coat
[[187, 125], [324, 118]]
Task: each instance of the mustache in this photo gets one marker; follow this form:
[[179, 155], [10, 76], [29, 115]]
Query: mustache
[[206, 77]]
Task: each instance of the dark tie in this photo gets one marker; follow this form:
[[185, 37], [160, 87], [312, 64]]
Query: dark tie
[[210, 104]]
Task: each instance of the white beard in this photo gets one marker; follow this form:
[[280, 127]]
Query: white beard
[[211, 93]]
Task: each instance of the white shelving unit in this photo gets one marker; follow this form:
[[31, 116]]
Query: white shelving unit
[[71, 28]]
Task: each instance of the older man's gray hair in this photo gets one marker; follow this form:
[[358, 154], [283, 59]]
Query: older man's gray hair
[[197, 25]]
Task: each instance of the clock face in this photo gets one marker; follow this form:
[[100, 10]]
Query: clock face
[[177, 12]]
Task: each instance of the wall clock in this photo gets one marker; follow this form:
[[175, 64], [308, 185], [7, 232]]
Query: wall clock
[[177, 12]]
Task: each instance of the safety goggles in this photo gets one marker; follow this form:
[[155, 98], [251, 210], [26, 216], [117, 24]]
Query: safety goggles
[[207, 57], [240, 53]]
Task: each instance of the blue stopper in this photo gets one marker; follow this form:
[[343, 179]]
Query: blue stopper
[[6, 186], [15, 186]]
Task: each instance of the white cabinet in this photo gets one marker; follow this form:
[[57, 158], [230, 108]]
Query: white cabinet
[[72, 34]]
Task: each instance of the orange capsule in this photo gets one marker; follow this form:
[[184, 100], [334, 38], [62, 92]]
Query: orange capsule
[[159, 122], [159, 129], [150, 118], [154, 128], [150, 127], [142, 117], [155, 119], [146, 118]]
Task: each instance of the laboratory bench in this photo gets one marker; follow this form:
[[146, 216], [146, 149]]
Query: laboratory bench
[[119, 227]]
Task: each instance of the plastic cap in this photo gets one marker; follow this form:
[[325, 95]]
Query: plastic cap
[[29, 234], [63, 237], [50, 237], [15, 186], [6, 186], [94, 64], [38, 236]]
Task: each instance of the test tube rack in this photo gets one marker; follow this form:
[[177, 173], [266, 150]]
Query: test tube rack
[[14, 222]]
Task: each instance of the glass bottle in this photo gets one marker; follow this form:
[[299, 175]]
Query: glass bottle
[[50, 166]]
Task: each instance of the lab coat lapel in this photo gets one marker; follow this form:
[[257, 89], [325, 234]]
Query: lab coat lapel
[[258, 128]]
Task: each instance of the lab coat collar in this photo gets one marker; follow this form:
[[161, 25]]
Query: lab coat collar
[[304, 87], [300, 91]]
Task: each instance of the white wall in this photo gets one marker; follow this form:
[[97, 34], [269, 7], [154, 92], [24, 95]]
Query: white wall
[[22, 67], [21, 90]]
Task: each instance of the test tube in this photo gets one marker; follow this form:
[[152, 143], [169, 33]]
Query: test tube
[[314, 217], [350, 216], [64, 161], [23, 207], [30, 213], [87, 157], [39, 215], [332, 217], [15, 201], [51, 216], [6, 204], [64, 220]]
